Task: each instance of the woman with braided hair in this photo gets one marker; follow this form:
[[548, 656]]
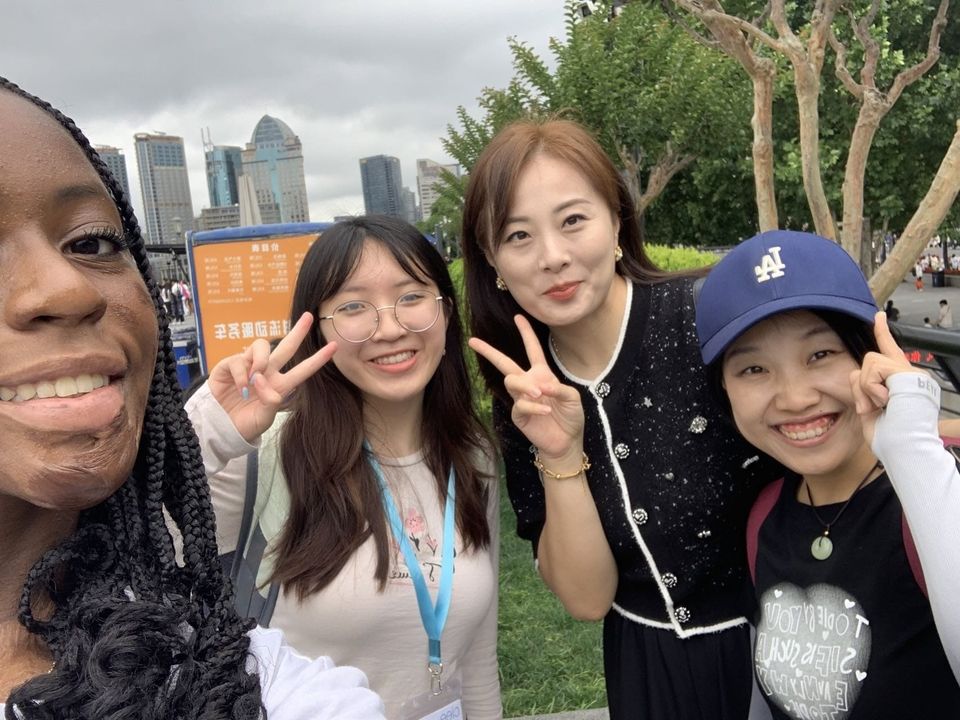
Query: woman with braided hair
[[97, 618]]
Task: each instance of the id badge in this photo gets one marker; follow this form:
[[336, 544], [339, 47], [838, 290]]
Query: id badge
[[444, 705]]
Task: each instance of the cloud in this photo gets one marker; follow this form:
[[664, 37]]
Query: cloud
[[351, 79]]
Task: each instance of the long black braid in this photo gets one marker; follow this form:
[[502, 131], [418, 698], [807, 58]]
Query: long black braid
[[134, 634]]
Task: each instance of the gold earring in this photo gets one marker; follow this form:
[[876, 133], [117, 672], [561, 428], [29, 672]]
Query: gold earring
[[618, 254], [501, 285]]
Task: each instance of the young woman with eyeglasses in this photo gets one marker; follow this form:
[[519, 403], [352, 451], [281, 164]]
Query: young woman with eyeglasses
[[385, 472]]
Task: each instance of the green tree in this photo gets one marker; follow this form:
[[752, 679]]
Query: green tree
[[657, 101]]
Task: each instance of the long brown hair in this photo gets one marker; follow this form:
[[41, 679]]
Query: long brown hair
[[335, 502], [492, 184]]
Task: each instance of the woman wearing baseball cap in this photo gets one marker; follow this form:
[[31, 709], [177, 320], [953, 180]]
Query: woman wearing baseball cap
[[852, 552]]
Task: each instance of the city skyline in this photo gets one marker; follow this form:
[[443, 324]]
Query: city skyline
[[310, 65]]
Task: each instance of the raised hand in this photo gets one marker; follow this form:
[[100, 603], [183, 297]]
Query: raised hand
[[250, 385], [545, 410], [868, 383]]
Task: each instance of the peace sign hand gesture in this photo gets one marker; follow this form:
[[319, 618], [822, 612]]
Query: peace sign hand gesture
[[251, 387], [545, 410], [868, 383]]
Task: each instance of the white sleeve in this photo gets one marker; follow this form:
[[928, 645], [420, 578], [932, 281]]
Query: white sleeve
[[924, 475], [479, 671], [224, 462], [220, 441], [297, 688]]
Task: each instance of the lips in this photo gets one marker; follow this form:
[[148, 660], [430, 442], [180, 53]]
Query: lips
[[807, 429], [562, 291]]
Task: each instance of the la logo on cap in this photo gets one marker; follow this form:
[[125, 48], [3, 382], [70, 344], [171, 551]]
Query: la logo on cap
[[771, 266]]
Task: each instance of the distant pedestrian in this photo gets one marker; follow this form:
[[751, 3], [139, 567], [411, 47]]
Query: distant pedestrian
[[893, 314], [926, 322], [945, 318], [918, 273], [166, 298], [187, 296], [176, 300]]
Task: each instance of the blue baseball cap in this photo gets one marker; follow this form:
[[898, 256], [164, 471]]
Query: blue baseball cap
[[774, 272]]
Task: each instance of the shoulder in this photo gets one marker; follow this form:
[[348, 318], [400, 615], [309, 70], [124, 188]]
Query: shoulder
[[297, 688]]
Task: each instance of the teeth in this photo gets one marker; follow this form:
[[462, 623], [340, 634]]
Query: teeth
[[393, 359], [807, 434], [67, 386]]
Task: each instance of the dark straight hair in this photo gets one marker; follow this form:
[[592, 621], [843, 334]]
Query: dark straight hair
[[134, 633], [492, 184], [335, 501]]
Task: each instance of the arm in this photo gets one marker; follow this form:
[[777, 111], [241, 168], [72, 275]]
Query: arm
[[480, 674], [925, 476], [898, 408], [561, 517], [297, 688]]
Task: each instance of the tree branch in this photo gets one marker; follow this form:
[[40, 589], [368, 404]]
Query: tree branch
[[842, 71], [912, 74], [671, 13]]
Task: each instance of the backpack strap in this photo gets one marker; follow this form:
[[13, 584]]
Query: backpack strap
[[758, 513]]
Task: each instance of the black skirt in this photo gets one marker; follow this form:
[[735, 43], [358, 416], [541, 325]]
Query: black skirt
[[652, 674]]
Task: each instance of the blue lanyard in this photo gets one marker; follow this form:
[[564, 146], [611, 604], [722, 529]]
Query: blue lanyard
[[433, 617]]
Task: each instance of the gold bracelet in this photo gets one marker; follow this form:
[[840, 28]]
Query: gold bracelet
[[584, 466]]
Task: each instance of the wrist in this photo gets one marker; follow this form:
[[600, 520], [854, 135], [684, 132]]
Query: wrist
[[555, 470]]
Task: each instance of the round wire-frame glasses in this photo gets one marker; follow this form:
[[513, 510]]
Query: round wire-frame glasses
[[357, 321]]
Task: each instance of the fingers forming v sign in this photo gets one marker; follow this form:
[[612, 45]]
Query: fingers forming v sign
[[250, 385], [545, 410]]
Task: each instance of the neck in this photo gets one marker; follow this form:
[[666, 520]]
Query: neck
[[393, 430], [586, 346], [838, 486], [26, 532]]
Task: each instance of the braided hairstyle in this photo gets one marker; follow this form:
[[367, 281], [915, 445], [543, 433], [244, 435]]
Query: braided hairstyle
[[134, 634]]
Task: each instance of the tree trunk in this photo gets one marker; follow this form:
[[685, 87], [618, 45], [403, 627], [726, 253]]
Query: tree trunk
[[924, 223], [762, 122], [871, 113], [808, 95]]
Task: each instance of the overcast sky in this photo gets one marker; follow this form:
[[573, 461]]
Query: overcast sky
[[351, 78]]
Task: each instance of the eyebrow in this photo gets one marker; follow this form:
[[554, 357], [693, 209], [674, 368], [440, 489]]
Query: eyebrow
[[812, 332], [81, 192], [396, 286], [559, 208]]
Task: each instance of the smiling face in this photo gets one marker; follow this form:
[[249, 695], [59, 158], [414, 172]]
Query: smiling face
[[392, 367], [788, 380], [78, 331], [556, 252]]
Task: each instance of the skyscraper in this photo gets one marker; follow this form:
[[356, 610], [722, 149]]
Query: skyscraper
[[409, 200], [116, 163], [167, 210], [224, 165], [273, 159], [429, 183], [382, 186]]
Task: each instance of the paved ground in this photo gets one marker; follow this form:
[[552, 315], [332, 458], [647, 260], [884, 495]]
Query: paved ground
[[598, 714], [914, 306]]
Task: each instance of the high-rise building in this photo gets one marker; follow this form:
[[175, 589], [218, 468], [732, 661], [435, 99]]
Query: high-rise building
[[429, 183], [217, 218], [408, 198], [273, 159], [116, 163], [382, 186], [224, 165], [165, 186]]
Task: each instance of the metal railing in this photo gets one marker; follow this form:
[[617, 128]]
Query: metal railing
[[937, 351]]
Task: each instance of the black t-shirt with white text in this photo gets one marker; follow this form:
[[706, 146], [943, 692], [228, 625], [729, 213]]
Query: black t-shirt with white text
[[851, 637]]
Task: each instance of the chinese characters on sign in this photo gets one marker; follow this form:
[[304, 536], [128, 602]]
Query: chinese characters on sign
[[244, 289]]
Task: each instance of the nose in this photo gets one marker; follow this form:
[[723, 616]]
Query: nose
[[42, 286], [794, 393], [554, 253], [389, 328]]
